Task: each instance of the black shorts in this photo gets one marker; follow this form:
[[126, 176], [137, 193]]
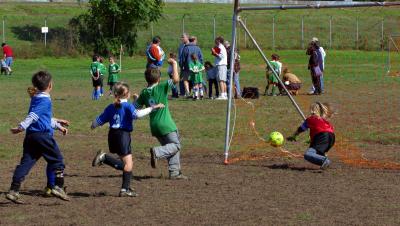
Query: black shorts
[[322, 142], [119, 142], [96, 82], [111, 84]]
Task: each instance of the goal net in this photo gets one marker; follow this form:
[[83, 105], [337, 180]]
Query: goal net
[[394, 55]]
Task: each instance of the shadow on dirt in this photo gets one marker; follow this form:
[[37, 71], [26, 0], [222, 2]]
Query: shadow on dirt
[[286, 166]]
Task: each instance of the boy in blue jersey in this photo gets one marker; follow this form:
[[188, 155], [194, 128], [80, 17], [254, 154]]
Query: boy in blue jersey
[[120, 115], [39, 140]]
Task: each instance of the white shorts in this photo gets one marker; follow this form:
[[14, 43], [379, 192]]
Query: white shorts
[[221, 73]]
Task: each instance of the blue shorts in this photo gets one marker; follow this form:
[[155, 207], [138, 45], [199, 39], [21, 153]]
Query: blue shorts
[[119, 142], [9, 61]]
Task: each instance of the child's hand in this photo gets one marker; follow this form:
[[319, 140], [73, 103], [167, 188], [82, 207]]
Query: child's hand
[[160, 105], [64, 130], [16, 130], [171, 61], [63, 122], [135, 96], [292, 138]]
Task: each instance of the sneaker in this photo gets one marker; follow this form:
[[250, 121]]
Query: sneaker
[[180, 176], [311, 93], [326, 164], [127, 193], [47, 192], [59, 193], [99, 158], [14, 197], [221, 98], [153, 159]]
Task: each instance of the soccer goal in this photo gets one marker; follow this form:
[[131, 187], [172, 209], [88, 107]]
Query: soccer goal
[[394, 55], [356, 77]]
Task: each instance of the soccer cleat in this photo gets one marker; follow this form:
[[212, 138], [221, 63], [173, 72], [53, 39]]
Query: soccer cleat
[[14, 197], [326, 164], [59, 193], [180, 176], [153, 159], [99, 158], [127, 193], [47, 192]]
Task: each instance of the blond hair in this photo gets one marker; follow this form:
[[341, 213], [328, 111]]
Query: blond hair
[[323, 110], [31, 91], [120, 91]]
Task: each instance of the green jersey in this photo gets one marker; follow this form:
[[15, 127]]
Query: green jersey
[[275, 67], [161, 122], [196, 69], [102, 69], [94, 68], [113, 71]]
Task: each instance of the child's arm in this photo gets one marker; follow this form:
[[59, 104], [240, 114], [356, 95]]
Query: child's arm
[[299, 130], [175, 75], [60, 124], [101, 119], [143, 112], [30, 118]]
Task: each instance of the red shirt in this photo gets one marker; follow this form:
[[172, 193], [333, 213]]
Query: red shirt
[[317, 125], [7, 51]]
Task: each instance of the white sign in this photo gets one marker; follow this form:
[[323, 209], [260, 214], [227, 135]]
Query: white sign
[[45, 29]]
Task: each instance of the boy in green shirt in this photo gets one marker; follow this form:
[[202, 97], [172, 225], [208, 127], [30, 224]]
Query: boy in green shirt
[[272, 80], [161, 124], [95, 73], [102, 73], [113, 70], [196, 76]]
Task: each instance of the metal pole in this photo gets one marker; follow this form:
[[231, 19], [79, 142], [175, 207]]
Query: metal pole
[[330, 32], [302, 32], [318, 6], [229, 106], [357, 33], [245, 35], [4, 33], [273, 33], [214, 27], [45, 34], [382, 35], [274, 72]]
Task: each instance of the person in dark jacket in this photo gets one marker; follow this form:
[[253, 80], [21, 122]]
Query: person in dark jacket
[[313, 66]]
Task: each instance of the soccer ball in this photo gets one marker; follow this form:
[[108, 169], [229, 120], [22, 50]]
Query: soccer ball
[[276, 139]]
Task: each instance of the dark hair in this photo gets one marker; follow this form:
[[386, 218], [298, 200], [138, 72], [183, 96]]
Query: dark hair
[[208, 63], [152, 75], [275, 56], [193, 56], [220, 39], [172, 55], [310, 49], [95, 57], [3, 44], [41, 80], [156, 39], [192, 38]]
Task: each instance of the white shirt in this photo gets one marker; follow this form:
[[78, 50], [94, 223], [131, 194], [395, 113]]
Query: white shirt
[[222, 58]]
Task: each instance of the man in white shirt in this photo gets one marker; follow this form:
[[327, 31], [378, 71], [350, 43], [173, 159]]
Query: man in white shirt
[[221, 62]]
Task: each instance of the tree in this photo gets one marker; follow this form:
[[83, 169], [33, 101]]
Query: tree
[[110, 23]]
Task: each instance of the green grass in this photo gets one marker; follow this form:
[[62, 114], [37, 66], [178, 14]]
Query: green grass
[[199, 22]]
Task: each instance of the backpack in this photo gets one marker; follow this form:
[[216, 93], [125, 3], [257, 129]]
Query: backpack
[[250, 92], [153, 59]]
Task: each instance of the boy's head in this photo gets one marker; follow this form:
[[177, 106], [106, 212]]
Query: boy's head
[[41, 80], [208, 65], [275, 56], [219, 40], [193, 56], [95, 57], [156, 40], [3, 44], [193, 39], [172, 55], [111, 59], [152, 75]]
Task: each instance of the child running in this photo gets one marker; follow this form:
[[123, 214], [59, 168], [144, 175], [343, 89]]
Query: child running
[[161, 124], [39, 140], [96, 77], [321, 134], [113, 70], [272, 80], [196, 77], [120, 116]]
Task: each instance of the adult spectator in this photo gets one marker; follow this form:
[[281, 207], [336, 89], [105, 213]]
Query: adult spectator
[[321, 59], [291, 81], [184, 41], [313, 66], [236, 69], [7, 56], [185, 59], [155, 54], [221, 62]]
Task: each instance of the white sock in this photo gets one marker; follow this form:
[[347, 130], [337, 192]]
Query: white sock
[[201, 92]]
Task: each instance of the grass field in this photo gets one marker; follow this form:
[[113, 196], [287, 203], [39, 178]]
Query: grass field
[[262, 189]]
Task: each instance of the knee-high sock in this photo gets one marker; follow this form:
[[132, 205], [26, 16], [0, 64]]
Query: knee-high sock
[[59, 178], [51, 177], [114, 162], [126, 179]]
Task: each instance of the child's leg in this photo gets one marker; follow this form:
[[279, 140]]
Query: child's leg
[[216, 87], [127, 171], [274, 89], [201, 90], [195, 91], [169, 150], [210, 88], [113, 162], [51, 177], [321, 144]]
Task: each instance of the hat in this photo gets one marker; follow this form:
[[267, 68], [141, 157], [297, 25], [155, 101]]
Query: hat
[[314, 39]]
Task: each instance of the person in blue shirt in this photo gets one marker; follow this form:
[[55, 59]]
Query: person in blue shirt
[[120, 116], [39, 141]]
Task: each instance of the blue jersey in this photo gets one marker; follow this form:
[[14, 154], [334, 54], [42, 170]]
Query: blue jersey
[[39, 115], [119, 118]]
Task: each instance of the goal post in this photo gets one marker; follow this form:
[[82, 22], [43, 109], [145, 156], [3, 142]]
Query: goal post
[[236, 20], [393, 64]]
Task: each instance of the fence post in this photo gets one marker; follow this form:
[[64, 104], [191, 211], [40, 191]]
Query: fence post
[[273, 33], [382, 34], [245, 34], [214, 27], [152, 30], [302, 32], [45, 34], [4, 30], [183, 23], [330, 32], [357, 33]]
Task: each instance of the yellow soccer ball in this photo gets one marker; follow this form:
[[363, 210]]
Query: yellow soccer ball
[[276, 139]]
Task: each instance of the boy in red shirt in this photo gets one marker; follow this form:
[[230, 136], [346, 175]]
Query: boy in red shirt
[[321, 134]]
